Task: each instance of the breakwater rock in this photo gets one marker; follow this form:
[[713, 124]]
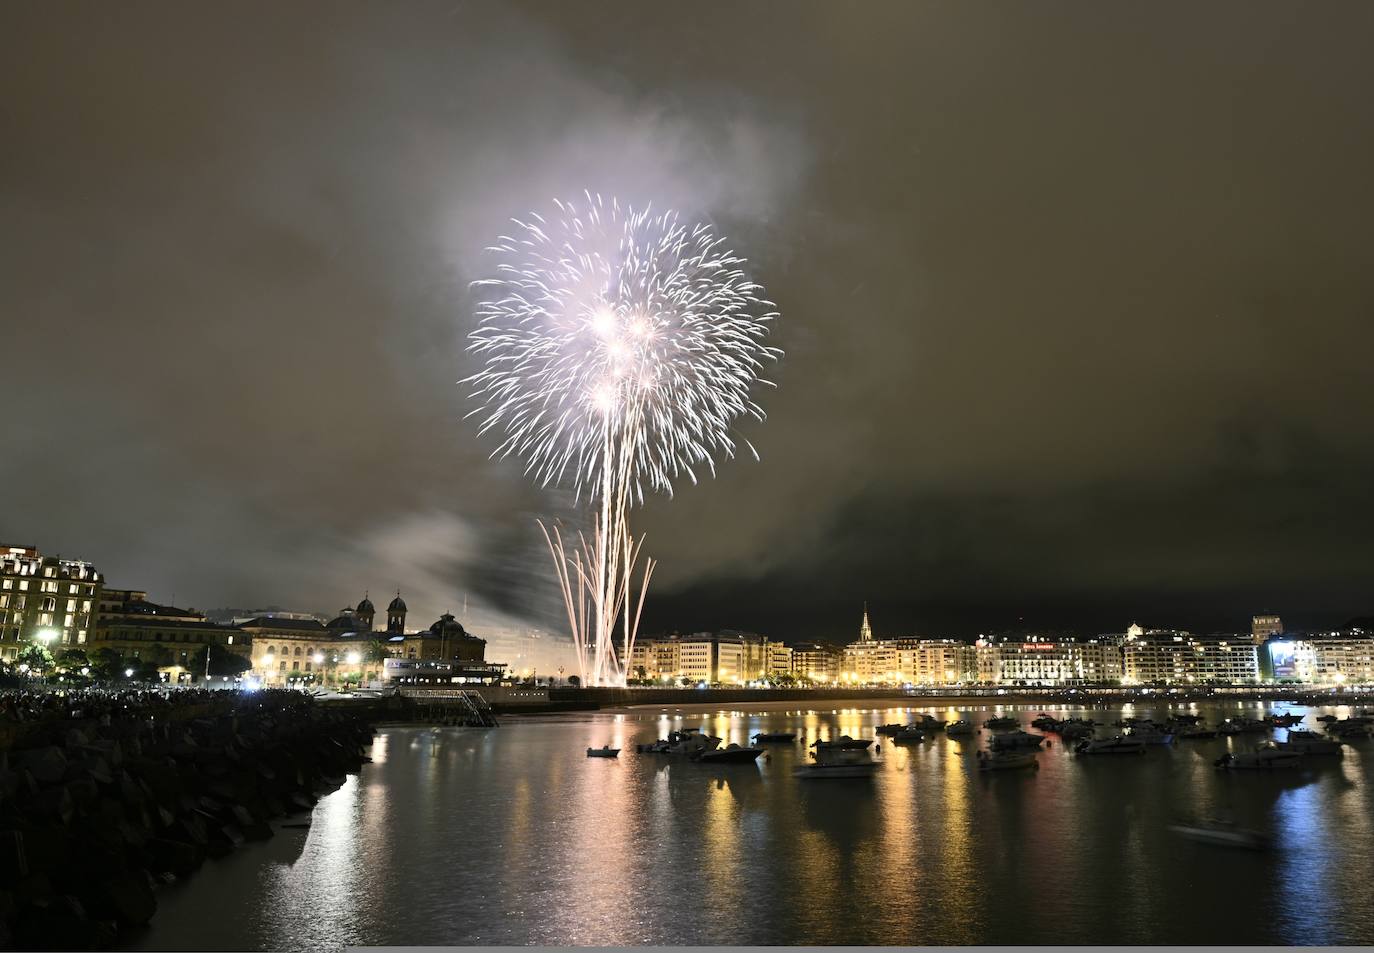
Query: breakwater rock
[[95, 812]]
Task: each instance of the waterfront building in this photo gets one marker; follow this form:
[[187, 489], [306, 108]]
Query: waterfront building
[[816, 661], [903, 661], [1041, 661], [1171, 657], [45, 599], [1264, 627], [1342, 658], [166, 636], [779, 659], [291, 651], [1328, 659]]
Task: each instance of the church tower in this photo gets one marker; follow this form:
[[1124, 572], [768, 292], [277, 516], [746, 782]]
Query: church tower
[[396, 616], [365, 613], [865, 630]]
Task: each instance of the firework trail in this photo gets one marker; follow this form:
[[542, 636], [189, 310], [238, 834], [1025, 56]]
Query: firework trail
[[620, 347]]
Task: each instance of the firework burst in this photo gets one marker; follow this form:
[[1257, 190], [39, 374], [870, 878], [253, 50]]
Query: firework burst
[[619, 349]]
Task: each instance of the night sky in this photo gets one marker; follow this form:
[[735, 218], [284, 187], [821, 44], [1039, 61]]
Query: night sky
[[1077, 300]]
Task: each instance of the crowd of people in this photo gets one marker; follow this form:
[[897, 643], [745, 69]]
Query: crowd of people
[[108, 705]]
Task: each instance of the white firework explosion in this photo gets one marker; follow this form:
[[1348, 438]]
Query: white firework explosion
[[620, 347]]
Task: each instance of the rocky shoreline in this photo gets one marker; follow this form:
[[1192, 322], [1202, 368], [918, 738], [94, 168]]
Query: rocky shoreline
[[100, 806]]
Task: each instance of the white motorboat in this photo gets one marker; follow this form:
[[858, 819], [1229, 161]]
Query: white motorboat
[[1270, 757], [605, 751], [1309, 742], [1221, 833], [691, 742], [1151, 734], [731, 754], [1007, 759], [1015, 739], [842, 743], [1117, 745], [839, 763]]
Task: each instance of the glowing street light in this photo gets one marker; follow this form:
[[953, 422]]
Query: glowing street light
[[317, 658], [128, 673], [353, 658], [46, 635]]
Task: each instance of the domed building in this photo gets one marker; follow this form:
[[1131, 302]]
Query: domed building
[[365, 613], [396, 616]]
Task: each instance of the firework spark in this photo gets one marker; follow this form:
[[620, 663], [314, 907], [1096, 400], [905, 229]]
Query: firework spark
[[620, 347]]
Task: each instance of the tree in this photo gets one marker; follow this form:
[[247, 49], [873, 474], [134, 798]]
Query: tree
[[35, 656], [73, 659], [376, 654], [574, 681], [107, 663], [223, 663]]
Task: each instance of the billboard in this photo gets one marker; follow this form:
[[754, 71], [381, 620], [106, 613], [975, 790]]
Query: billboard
[[1283, 659]]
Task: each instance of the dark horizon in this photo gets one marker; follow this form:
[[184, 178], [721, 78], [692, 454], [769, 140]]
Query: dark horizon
[[1075, 303]]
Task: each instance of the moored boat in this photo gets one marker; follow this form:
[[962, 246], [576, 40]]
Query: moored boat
[[957, 728], [909, 735], [774, 737], [1266, 758], [605, 751], [1117, 745], [1309, 742], [1002, 722], [842, 743], [1007, 759], [1015, 739], [731, 754], [1151, 734], [838, 763]]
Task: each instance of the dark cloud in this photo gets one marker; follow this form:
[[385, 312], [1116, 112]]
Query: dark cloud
[[1076, 300]]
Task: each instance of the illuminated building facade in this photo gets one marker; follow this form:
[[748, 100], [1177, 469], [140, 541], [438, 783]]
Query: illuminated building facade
[[1329, 659], [1039, 661], [1265, 627], [1169, 657], [171, 638], [45, 599], [779, 659], [816, 661]]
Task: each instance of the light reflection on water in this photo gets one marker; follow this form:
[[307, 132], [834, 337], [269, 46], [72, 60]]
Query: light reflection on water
[[513, 836]]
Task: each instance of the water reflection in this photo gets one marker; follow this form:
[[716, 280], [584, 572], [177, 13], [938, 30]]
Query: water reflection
[[514, 837]]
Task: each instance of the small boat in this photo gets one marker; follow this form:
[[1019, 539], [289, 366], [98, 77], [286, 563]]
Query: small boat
[[957, 728], [1015, 739], [1327, 719], [929, 723], [1117, 745], [774, 737], [605, 751], [1001, 723], [1044, 722], [1007, 759], [1151, 734], [1285, 721], [1267, 758], [1222, 834], [842, 743], [838, 763], [1349, 729], [731, 754], [909, 735], [1196, 733], [889, 729], [1309, 742], [1075, 729]]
